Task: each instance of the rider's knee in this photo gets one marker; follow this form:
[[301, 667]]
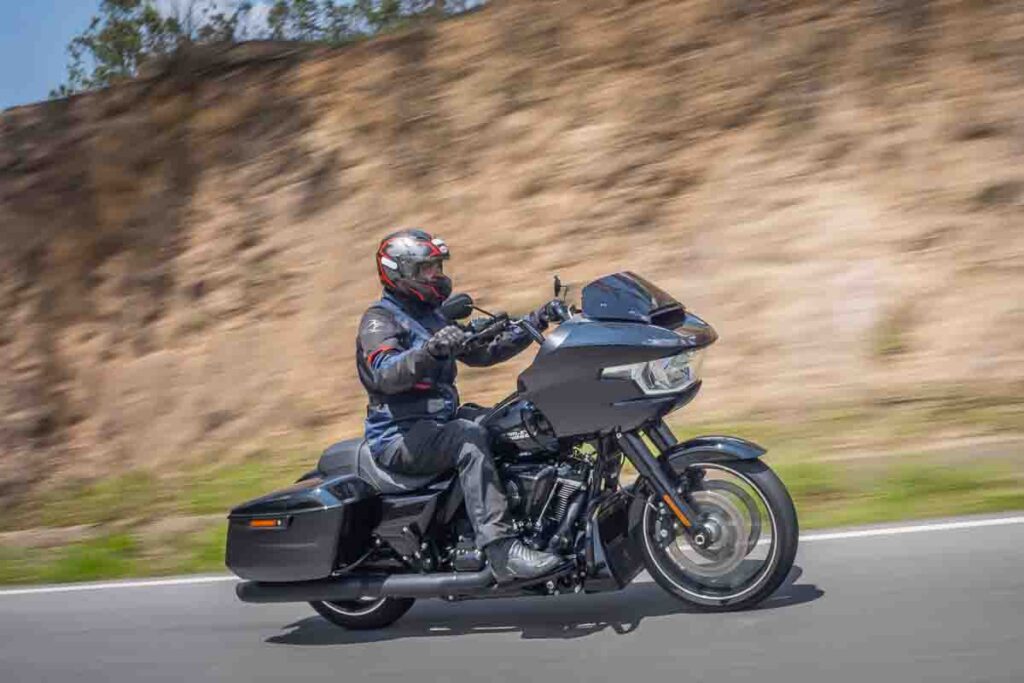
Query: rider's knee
[[470, 431]]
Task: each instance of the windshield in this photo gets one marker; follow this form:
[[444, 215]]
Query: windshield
[[627, 296]]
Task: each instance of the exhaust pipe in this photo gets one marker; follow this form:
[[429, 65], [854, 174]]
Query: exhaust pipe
[[354, 587]]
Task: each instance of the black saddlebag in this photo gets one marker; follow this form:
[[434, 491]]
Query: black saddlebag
[[303, 532]]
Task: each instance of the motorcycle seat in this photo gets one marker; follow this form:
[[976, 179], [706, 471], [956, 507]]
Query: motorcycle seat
[[353, 457]]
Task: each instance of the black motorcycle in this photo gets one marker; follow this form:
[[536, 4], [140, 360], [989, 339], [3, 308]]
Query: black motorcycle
[[711, 523]]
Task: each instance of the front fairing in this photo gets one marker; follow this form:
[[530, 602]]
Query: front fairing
[[625, 320], [565, 384]]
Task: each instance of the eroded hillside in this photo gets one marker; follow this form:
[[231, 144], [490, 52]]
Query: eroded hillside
[[836, 186]]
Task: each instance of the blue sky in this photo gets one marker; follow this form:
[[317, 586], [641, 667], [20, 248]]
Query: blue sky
[[33, 35], [33, 39]]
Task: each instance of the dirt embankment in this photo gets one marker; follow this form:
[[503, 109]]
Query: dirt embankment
[[836, 186]]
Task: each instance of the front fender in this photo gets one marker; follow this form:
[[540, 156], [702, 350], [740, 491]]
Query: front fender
[[712, 448]]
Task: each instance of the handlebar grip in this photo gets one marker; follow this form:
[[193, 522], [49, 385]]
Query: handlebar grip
[[495, 327]]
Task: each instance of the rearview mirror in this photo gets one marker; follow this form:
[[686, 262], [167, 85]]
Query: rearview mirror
[[457, 307]]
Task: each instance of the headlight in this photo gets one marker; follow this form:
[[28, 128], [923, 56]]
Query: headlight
[[661, 376]]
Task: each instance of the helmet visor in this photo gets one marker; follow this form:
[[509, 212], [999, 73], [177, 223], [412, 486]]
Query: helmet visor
[[426, 271]]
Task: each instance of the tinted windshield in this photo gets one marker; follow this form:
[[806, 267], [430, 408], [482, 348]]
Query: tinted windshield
[[625, 296]]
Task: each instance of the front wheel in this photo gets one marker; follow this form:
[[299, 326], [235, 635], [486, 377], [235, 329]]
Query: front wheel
[[363, 614], [752, 534]]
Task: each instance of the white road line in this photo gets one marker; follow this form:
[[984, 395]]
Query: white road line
[[72, 587], [804, 538], [916, 529]]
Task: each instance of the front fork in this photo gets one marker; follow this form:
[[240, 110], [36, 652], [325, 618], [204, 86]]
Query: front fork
[[656, 470]]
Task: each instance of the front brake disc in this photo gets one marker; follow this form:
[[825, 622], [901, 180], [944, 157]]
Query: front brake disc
[[754, 515], [726, 552]]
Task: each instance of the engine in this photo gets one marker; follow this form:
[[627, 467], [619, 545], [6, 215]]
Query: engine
[[545, 500], [545, 493]]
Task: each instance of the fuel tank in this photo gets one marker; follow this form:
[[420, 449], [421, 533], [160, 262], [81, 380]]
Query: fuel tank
[[517, 426]]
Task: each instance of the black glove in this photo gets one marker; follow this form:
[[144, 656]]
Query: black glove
[[552, 311], [446, 342]]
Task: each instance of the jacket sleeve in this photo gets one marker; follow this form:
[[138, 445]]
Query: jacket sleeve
[[506, 345], [389, 366]]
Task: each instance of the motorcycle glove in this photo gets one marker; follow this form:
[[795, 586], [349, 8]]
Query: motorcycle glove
[[446, 342]]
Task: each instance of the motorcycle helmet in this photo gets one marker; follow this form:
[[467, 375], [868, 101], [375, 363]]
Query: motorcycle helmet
[[410, 263]]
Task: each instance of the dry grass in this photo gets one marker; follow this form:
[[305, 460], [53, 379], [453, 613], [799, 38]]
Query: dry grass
[[835, 186]]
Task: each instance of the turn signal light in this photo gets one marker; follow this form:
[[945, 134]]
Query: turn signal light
[[265, 523]]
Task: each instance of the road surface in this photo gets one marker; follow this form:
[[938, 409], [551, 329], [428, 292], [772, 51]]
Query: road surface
[[939, 603]]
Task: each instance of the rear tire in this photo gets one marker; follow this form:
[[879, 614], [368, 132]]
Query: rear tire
[[784, 530], [361, 616]]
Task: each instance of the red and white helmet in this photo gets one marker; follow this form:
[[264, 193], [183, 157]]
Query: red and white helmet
[[411, 264]]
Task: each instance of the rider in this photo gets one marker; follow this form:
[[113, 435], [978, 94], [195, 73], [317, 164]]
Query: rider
[[406, 352]]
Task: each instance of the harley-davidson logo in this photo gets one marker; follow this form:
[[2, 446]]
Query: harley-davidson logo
[[518, 434]]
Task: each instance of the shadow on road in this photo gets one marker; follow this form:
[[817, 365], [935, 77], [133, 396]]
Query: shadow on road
[[569, 616]]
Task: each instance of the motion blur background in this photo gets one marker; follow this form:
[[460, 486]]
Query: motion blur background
[[836, 186]]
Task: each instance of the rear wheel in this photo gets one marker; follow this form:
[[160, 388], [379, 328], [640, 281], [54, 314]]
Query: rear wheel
[[365, 613], [752, 538]]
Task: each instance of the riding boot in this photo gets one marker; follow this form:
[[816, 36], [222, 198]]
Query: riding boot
[[512, 560]]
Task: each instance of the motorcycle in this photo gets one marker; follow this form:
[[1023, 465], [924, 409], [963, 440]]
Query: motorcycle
[[708, 520]]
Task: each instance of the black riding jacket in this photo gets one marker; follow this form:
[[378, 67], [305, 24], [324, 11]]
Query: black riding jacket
[[403, 381]]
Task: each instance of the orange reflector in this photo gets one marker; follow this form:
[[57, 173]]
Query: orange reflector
[[265, 523], [675, 509]]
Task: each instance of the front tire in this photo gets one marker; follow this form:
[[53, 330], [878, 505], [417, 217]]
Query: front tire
[[734, 576], [363, 615]]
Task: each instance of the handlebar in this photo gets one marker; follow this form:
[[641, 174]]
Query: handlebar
[[487, 329], [564, 311], [491, 329]]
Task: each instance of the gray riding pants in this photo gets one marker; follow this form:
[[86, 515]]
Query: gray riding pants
[[432, 448]]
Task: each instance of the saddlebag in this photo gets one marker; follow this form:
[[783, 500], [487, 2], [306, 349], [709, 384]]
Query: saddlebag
[[303, 532]]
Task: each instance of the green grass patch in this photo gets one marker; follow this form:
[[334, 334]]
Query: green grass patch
[[885, 424], [203, 551], [220, 489], [139, 496], [19, 565], [103, 501], [118, 555], [198, 550], [106, 557], [811, 482], [838, 494]]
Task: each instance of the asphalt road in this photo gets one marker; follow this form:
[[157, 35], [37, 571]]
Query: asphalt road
[[941, 604]]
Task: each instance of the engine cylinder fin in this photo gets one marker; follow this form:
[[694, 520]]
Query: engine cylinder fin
[[566, 488]]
